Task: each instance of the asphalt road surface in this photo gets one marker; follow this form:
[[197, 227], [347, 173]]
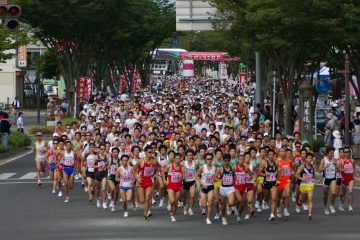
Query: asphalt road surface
[[31, 212]]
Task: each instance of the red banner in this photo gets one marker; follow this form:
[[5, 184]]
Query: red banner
[[88, 88], [81, 88]]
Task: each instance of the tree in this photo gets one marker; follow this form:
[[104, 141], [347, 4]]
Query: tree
[[286, 33]]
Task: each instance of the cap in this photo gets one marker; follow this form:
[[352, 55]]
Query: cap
[[117, 120], [55, 134], [38, 134], [251, 140]]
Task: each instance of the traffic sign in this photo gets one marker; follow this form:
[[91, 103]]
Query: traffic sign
[[323, 86], [321, 101]]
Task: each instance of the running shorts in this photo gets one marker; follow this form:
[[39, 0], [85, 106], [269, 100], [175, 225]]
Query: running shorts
[[126, 188], [52, 167], [188, 185], [283, 184], [90, 174], [226, 191], [208, 189], [260, 180], [69, 171], [346, 181], [249, 187], [269, 185], [217, 185], [328, 181], [305, 188], [100, 175]]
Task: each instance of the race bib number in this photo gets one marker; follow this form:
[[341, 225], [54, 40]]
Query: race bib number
[[175, 178], [113, 170], [307, 178], [89, 164], [286, 171], [190, 175], [209, 178], [240, 179], [69, 161], [227, 180], [127, 178], [148, 171], [271, 177], [348, 169], [101, 164], [330, 172]]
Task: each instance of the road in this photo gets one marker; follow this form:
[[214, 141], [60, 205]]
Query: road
[[31, 212]]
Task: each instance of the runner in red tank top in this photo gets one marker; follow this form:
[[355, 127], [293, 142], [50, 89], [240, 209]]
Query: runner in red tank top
[[348, 171], [174, 184], [144, 171], [240, 171]]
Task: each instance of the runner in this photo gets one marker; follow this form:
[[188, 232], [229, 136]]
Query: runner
[[68, 170], [329, 165], [284, 172], [174, 182], [268, 169], [218, 163], [226, 175], [144, 171], [40, 147], [163, 162], [241, 171], [306, 174], [348, 172], [89, 163], [189, 167], [205, 178], [113, 165], [52, 157], [125, 176], [101, 166]]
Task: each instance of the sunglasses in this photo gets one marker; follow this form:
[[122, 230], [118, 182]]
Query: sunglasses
[[209, 159], [102, 148]]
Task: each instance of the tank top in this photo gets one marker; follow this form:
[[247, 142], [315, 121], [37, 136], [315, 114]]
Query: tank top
[[90, 159], [52, 156], [270, 172], [146, 173], [347, 169], [207, 177], [234, 161], [40, 150], [69, 159], [218, 165], [284, 167], [329, 171], [113, 166], [307, 175], [199, 163], [240, 176], [227, 177], [101, 162], [190, 171], [127, 176], [174, 176]]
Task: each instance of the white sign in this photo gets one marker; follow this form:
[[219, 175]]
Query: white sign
[[321, 101]]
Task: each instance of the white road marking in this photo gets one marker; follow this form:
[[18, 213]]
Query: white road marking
[[15, 158], [4, 176], [30, 175]]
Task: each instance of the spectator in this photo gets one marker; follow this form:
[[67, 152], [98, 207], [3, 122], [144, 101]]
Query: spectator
[[5, 131], [337, 143], [20, 123], [65, 107], [16, 107], [58, 114], [50, 107]]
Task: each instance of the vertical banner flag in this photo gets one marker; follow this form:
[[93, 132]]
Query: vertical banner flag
[[81, 88], [88, 88], [21, 58]]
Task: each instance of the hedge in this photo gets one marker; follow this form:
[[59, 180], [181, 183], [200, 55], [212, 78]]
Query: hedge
[[16, 141], [50, 130]]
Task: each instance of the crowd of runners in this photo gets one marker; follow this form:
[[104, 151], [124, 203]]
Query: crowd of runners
[[184, 148]]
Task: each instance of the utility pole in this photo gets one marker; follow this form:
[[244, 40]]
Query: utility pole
[[347, 98], [346, 74], [258, 98]]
